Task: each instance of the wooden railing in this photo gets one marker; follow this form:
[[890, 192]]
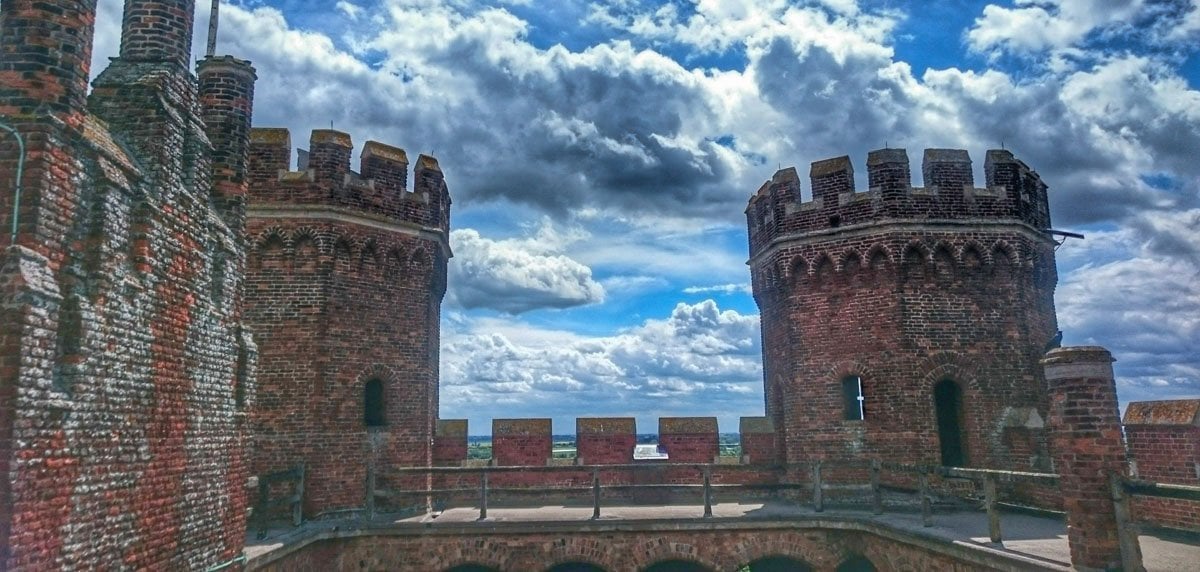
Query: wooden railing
[[294, 501], [1127, 531]]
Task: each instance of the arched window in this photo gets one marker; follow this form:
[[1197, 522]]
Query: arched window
[[948, 401], [373, 403], [852, 398]]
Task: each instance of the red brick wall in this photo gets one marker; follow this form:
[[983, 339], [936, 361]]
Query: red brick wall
[[1164, 441], [688, 439], [902, 287], [605, 440], [340, 294], [450, 442], [521, 441], [822, 549], [125, 372], [757, 437], [1086, 438]]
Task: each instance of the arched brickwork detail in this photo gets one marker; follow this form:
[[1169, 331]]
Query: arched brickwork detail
[[971, 255], [849, 256], [657, 550], [481, 551], [798, 268], [576, 549], [797, 547], [347, 398], [878, 253], [420, 261], [1003, 253]]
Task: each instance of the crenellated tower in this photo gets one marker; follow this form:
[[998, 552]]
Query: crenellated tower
[[906, 323], [346, 279]]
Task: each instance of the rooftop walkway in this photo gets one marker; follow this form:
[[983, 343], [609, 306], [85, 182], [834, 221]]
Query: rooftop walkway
[[1038, 542]]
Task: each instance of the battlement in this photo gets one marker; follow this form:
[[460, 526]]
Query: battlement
[[1012, 191], [324, 177]]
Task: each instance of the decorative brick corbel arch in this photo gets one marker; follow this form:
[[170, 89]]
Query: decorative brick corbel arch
[[481, 551], [795, 547], [654, 551]]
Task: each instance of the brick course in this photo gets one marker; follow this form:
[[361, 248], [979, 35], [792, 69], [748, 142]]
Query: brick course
[[1164, 442]]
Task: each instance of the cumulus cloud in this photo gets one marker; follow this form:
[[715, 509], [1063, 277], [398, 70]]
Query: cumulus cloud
[[518, 275], [682, 364], [719, 289]]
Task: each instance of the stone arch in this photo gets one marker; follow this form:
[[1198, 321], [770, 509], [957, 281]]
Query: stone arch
[[822, 268], [343, 253], [480, 552], [971, 256], [757, 548], [856, 563], [393, 263], [420, 261], [576, 550], [369, 258], [270, 249], [306, 249], [944, 260], [964, 372], [347, 398], [1003, 253], [649, 553], [798, 268], [878, 256]]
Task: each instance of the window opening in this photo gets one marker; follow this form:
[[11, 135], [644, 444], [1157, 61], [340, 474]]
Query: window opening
[[852, 398], [947, 396], [373, 403]]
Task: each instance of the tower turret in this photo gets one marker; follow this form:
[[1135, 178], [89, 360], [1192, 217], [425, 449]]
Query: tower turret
[[904, 323]]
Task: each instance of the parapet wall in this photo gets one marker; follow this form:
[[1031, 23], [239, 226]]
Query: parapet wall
[[1164, 443], [1012, 192], [379, 188]]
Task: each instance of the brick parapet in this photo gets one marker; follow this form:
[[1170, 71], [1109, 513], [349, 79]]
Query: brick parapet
[[379, 188], [1013, 194], [689, 439], [1089, 451], [758, 440], [450, 442], [521, 442], [1164, 444], [605, 440]]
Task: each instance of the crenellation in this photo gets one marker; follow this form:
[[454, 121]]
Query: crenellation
[[949, 196], [329, 156]]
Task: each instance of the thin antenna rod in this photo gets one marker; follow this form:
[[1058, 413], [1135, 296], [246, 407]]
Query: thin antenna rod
[[212, 28]]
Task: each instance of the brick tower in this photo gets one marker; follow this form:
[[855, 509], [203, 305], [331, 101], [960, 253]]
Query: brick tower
[[345, 282], [906, 323], [125, 372]]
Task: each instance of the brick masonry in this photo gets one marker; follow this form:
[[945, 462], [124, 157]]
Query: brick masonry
[[345, 281], [1085, 431], [126, 373], [1164, 443], [905, 287], [713, 548]]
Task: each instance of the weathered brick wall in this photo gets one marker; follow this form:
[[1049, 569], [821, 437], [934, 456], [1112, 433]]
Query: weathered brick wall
[[342, 292], [904, 287], [757, 438], [126, 371], [624, 549], [689, 439], [1164, 442], [1086, 432], [605, 440]]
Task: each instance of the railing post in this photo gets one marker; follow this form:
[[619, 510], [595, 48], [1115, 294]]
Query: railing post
[[707, 491], [876, 490], [818, 490], [989, 501], [595, 494], [926, 502], [370, 490], [1127, 534], [483, 495], [298, 505]]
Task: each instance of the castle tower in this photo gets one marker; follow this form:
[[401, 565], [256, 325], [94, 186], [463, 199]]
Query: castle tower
[[906, 323], [346, 277], [125, 372]]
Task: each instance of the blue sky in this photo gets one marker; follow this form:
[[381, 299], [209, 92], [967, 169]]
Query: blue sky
[[600, 155]]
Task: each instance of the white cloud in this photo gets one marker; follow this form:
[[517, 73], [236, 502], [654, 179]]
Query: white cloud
[[743, 288], [518, 275], [700, 360], [1055, 24], [350, 9]]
